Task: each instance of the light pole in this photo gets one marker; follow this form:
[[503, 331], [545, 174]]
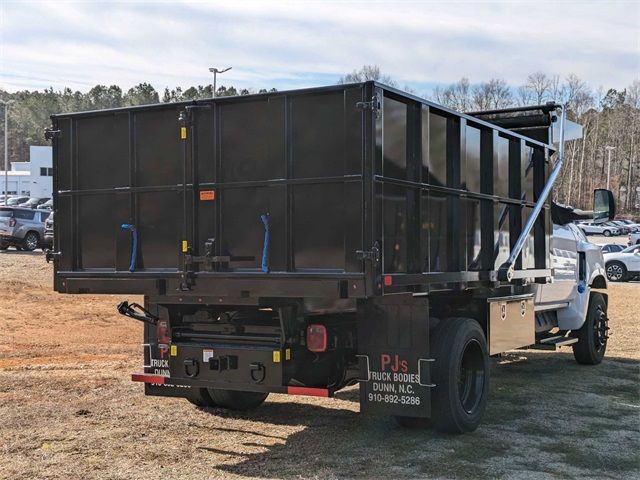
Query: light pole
[[6, 148], [609, 149], [215, 72]]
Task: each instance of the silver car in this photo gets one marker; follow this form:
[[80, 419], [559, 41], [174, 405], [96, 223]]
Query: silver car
[[22, 228]]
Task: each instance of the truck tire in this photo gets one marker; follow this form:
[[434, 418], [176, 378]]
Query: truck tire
[[200, 398], [461, 375], [31, 241], [616, 271], [593, 335], [235, 400]]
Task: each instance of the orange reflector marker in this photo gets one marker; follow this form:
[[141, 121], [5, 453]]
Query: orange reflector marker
[[207, 195], [388, 280], [147, 378], [309, 392]]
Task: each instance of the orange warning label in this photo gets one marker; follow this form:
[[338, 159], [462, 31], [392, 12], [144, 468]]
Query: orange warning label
[[207, 195]]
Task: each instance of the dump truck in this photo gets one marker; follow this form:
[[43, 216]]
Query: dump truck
[[303, 241]]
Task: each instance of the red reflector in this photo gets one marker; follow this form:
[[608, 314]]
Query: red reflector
[[142, 377], [316, 338], [310, 392], [388, 280]]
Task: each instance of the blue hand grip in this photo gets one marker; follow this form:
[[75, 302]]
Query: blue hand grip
[[134, 245], [265, 246]]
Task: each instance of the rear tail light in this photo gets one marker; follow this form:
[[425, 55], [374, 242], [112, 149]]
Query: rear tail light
[[316, 338], [12, 222]]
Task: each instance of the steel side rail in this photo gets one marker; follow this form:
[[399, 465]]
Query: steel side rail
[[506, 270]]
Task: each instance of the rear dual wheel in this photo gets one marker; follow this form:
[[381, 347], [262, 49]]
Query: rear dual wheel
[[461, 377], [230, 399]]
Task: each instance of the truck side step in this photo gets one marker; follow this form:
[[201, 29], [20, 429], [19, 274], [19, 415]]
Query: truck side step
[[551, 343]]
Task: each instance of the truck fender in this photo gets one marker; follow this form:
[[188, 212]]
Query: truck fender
[[573, 316]]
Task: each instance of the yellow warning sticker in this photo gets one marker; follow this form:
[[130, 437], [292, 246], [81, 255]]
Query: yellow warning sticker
[[174, 350], [185, 246], [287, 354], [276, 356], [183, 133]]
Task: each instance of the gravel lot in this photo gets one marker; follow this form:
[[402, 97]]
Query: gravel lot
[[68, 409]]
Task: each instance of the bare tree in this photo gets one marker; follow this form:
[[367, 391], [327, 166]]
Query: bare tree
[[492, 94], [456, 96], [366, 73], [539, 85]]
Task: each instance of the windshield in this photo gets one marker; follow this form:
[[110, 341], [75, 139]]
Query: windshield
[[631, 249]]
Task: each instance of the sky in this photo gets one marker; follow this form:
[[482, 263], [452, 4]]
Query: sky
[[295, 44]]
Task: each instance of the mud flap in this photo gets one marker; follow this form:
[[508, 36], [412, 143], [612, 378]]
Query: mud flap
[[394, 361]]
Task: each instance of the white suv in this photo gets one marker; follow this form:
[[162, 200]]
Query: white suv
[[598, 229]]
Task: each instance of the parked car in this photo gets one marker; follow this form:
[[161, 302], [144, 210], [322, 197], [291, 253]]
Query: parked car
[[612, 248], [48, 230], [623, 266], [635, 227], [590, 228], [48, 205], [634, 239], [33, 202], [22, 228], [623, 228], [16, 200]]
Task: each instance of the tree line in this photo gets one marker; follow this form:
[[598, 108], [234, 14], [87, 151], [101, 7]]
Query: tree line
[[610, 120]]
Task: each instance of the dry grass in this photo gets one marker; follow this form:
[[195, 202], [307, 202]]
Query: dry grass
[[68, 409]]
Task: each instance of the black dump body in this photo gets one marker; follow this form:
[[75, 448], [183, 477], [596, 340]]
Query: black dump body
[[364, 191]]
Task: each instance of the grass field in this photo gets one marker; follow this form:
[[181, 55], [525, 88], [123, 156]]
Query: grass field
[[69, 410]]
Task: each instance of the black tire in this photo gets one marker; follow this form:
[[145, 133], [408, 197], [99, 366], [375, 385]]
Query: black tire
[[616, 271], [461, 375], [31, 241], [607, 233], [200, 398], [235, 400], [594, 333]]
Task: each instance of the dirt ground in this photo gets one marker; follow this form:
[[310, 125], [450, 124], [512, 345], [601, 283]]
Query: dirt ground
[[69, 410]]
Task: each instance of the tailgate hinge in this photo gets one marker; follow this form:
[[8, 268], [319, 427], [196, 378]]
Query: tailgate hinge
[[372, 255], [373, 105], [50, 133]]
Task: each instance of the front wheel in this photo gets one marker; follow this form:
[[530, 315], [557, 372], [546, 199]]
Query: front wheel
[[461, 375], [607, 233], [594, 333]]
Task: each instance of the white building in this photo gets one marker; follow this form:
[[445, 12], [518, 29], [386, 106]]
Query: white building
[[33, 178], [41, 167]]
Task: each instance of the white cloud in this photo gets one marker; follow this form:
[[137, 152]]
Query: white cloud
[[291, 44]]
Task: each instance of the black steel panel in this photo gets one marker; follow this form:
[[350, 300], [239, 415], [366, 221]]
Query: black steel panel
[[159, 226], [394, 138], [101, 160], [319, 238], [101, 217], [322, 125], [242, 231], [158, 149], [252, 140]]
